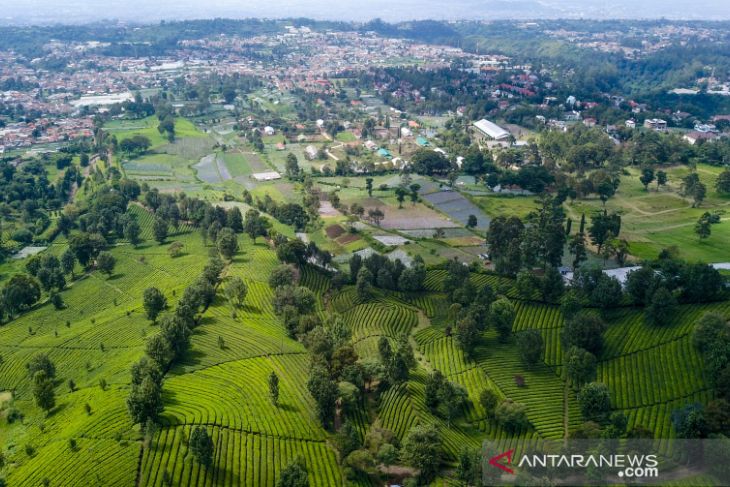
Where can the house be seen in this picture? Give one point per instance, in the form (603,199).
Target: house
(370,145)
(589,122)
(656,124)
(696,136)
(490,130)
(311,152)
(705,128)
(421,141)
(266,176)
(405,132)
(630,124)
(384,153)
(268,130)
(280,146)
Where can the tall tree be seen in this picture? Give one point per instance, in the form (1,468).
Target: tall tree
(647,177)
(153,302)
(530,345)
(274,388)
(293,475)
(227,243)
(132,232)
(159,228)
(43,392)
(422,450)
(201,446)
(503,316)
(105,262)
(661,307)
(369,186)
(236,290)
(722,185)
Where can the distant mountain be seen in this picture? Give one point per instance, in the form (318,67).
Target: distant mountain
(79,11)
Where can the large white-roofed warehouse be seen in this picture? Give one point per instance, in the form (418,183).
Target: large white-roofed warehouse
(491,130)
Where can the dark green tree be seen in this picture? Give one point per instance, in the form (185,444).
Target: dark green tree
(159,229)
(154,302)
(422,450)
(661,307)
(530,345)
(227,243)
(595,401)
(201,446)
(274,388)
(43,392)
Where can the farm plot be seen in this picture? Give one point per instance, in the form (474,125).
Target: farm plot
(656,375)
(458,207)
(628,332)
(229,395)
(379,319)
(153,165)
(207,169)
(222,168)
(237,164)
(413,217)
(241,458)
(542,393)
(96,461)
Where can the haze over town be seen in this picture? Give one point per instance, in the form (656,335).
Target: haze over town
(79,11)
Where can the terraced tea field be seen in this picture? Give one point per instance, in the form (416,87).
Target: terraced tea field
(222,381)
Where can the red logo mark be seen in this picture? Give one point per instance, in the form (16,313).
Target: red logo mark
(494,461)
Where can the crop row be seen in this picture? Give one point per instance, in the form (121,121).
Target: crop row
(380,319)
(541,316)
(628,332)
(446,356)
(541,392)
(314,280)
(239,459)
(234,395)
(659,374)
(94,462)
(657,418)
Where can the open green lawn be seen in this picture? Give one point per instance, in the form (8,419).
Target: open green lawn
(147,127)
(657,219)
(495,205)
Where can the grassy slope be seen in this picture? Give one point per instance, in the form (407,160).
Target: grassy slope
(653,220)
(99,311)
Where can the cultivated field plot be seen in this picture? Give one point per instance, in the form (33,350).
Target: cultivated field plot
(413,217)
(208,170)
(154,165)
(458,207)
(241,458)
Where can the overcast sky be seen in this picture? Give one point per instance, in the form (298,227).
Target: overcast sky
(76,11)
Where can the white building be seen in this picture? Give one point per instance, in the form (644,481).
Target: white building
(311,152)
(266,176)
(491,130)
